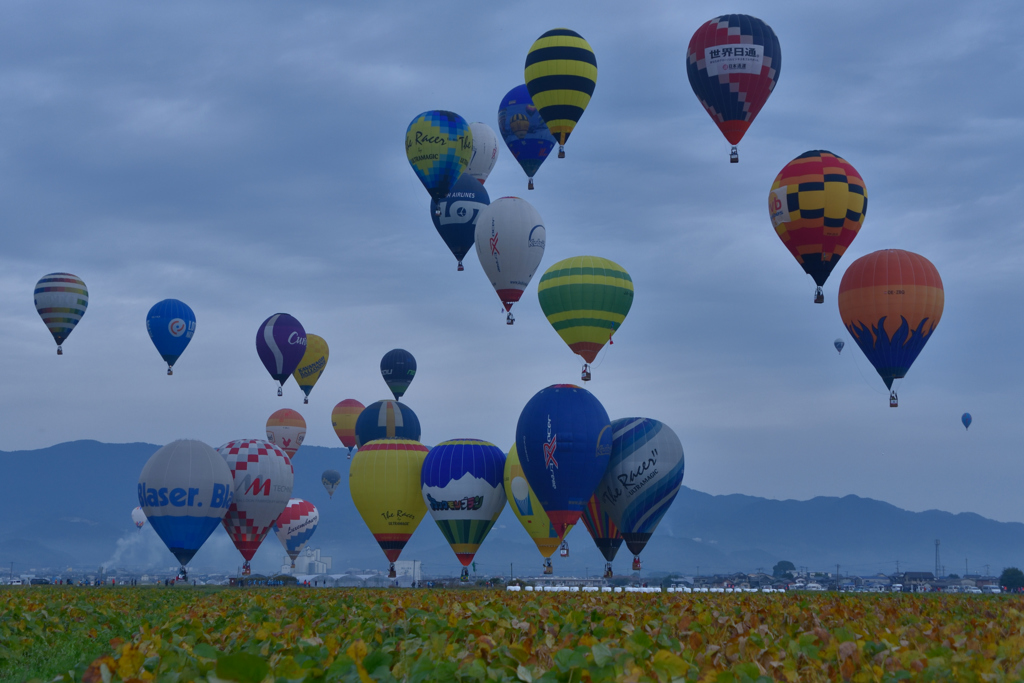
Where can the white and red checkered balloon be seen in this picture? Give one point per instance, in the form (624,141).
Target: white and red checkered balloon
(263,477)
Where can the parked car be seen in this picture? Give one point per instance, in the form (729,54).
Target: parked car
(39,582)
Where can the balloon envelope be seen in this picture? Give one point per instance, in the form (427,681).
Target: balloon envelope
(966,419)
(263,478)
(139,517)
(462,487)
(733,63)
(439,145)
(510,241)
(185,489)
(890,302)
(456,222)
(564,440)
(601,527)
(398,367)
(839,344)
(61,300)
(286,429)
(485,152)
(527,507)
(281,343)
(312,364)
(295,525)
(524,131)
(171,324)
(330,479)
(643,477)
(387,420)
(384,481)
(561,73)
(586,298)
(343,419)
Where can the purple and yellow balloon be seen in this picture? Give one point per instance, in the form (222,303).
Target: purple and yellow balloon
(281,343)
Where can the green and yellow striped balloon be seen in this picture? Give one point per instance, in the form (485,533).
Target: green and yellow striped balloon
(586,298)
(561,72)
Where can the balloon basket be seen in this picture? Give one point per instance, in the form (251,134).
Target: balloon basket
(894,401)
(465,574)
(280,391)
(734,156)
(437,212)
(636,564)
(585,375)
(561,152)
(60,351)
(563,550)
(510,319)
(182,573)
(170,371)
(305,400)
(530,185)
(246,570)
(819,296)
(391,572)
(608,573)
(460,268)
(548,569)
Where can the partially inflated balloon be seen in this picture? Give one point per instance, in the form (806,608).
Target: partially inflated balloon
(527,508)
(564,440)
(286,429)
(462,487)
(281,343)
(386,420)
(890,302)
(524,131)
(966,419)
(263,478)
(439,145)
(455,216)
(343,419)
(171,324)
(643,477)
(398,368)
(384,481)
(185,489)
(485,152)
(295,525)
(561,73)
(61,300)
(330,479)
(817,205)
(312,365)
(733,64)
(139,517)
(601,527)
(510,241)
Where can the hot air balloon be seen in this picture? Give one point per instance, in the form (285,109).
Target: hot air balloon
(295,525)
(139,517)
(281,344)
(529,511)
(890,301)
(561,72)
(455,217)
(330,479)
(643,477)
(564,439)
(733,63)
(384,481)
(343,419)
(263,477)
(485,152)
(510,240)
(839,344)
(171,324)
(966,419)
(386,420)
(462,487)
(185,488)
(524,131)
(586,298)
(817,205)
(439,145)
(286,429)
(603,530)
(312,365)
(398,368)
(61,300)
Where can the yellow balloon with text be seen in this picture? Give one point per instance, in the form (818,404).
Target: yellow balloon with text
(527,508)
(312,364)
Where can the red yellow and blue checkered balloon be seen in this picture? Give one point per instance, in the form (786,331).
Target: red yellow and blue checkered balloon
(439,145)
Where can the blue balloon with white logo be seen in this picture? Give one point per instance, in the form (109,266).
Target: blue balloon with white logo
(386,420)
(398,367)
(455,216)
(171,324)
(563,440)
(185,489)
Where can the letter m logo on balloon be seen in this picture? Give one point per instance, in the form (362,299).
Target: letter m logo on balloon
(253,487)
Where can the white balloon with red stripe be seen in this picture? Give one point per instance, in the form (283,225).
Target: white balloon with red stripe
(295,525)
(510,241)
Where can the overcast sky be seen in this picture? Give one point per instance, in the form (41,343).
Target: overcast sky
(248,158)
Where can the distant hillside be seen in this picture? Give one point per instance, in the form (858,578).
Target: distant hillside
(69,505)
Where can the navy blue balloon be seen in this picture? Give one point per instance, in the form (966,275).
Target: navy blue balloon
(966,419)
(398,367)
(456,221)
(171,324)
(386,420)
(524,131)
(564,441)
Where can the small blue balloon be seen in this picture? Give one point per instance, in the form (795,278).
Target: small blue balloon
(839,344)
(171,324)
(966,419)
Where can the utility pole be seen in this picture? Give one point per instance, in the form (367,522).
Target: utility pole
(837,576)
(966,569)
(938,566)
(986,570)
(12,570)
(511,576)
(897,566)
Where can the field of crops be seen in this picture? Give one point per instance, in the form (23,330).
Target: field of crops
(155,634)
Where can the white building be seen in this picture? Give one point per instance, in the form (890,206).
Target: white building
(408,571)
(308,562)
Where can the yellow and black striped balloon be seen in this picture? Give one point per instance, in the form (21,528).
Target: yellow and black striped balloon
(561,72)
